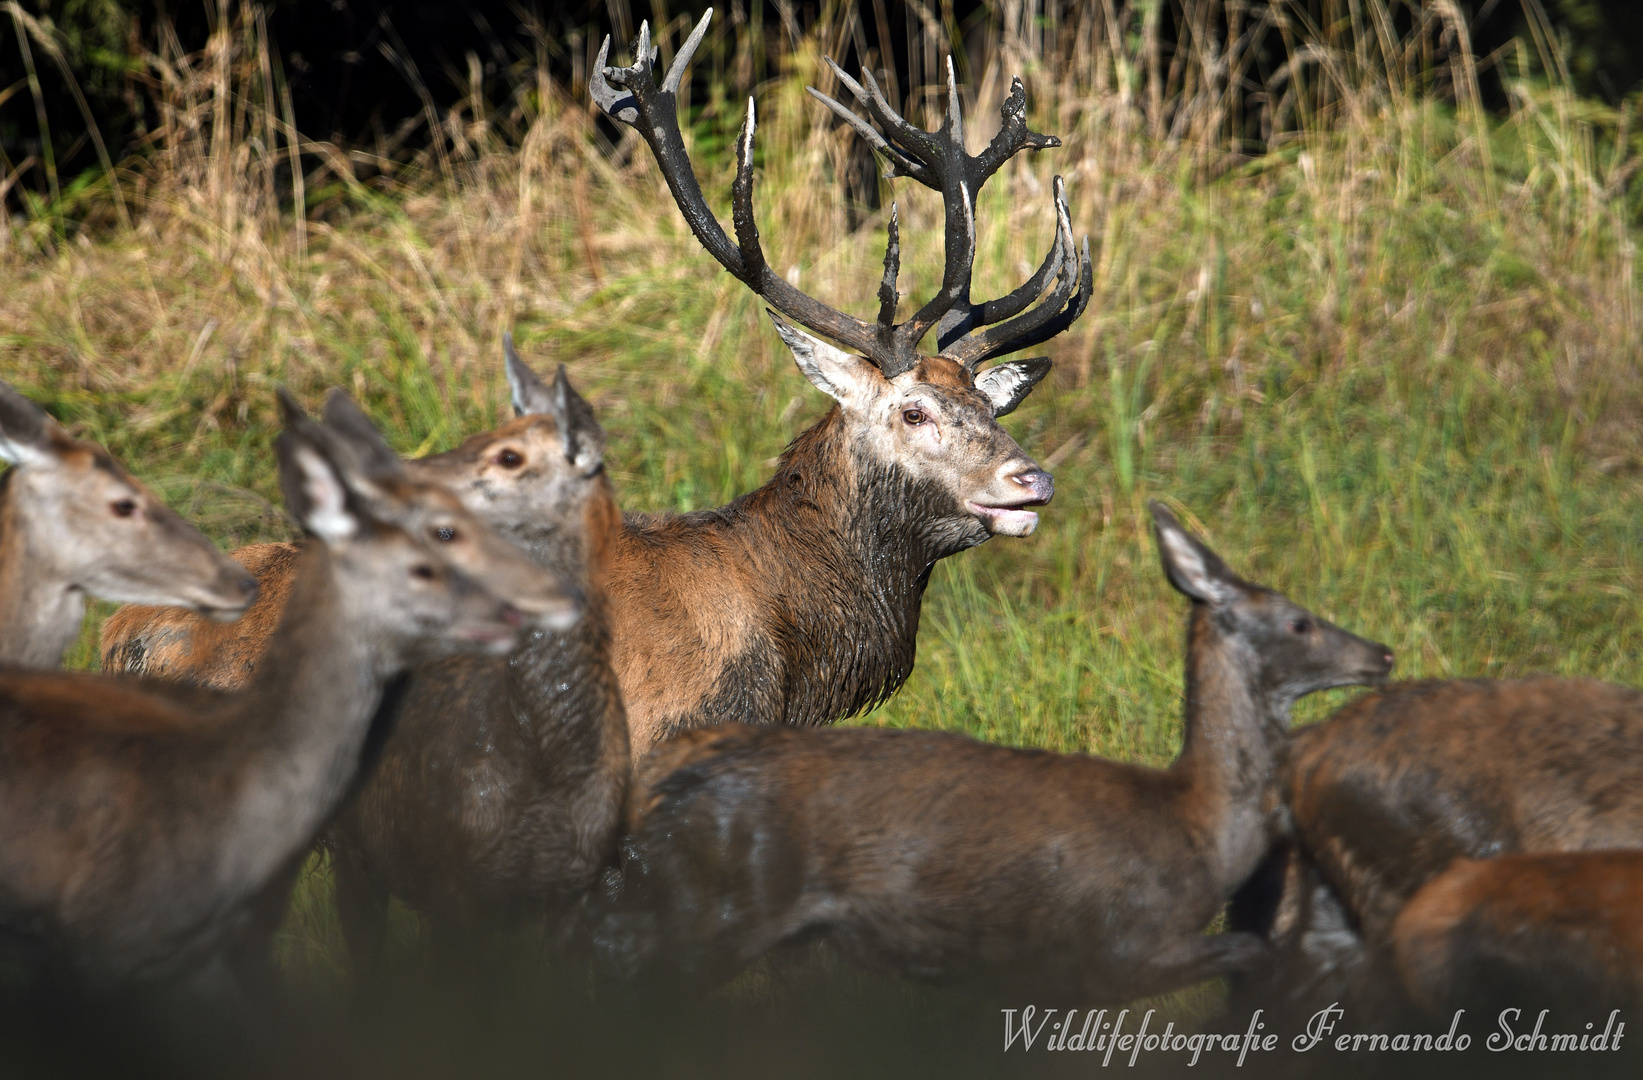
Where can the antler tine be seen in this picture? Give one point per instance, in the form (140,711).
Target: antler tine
(956,323)
(892,267)
(681,59)
(653,112)
(900,164)
(1058,311)
(1013,134)
(938,160)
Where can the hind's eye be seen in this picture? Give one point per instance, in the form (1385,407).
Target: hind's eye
(423,571)
(1300,626)
(123,507)
(445,534)
(912,417)
(510,459)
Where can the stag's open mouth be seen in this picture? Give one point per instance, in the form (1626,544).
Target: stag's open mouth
(1014,520)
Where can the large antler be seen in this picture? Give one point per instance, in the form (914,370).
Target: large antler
(936,159)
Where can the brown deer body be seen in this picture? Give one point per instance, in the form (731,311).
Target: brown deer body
(138,819)
(1389,791)
(500,794)
(799,603)
(1560,931)
(73,524)
(944,857)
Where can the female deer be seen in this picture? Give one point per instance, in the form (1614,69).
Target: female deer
(73,524)
(137,819)
(943,857)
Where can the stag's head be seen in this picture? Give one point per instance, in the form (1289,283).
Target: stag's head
(933,417)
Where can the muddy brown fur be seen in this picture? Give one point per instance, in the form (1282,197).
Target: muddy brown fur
(1561,932)
(942,857)
(1387,793)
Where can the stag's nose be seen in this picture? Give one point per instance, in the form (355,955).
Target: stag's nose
(247,587)
(1039,485)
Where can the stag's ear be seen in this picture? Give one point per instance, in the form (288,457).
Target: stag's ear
(314,488)
(1008,384)
(25,429)
(1192,568)
(531,396)
(833,371)
(583,436)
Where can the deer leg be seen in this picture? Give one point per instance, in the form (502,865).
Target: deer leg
(250,955)
(362,909)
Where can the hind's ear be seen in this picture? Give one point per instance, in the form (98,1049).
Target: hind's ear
(374,457)
(315,491)
(1191,567)
(531,396)
(1007,385)
(583,436)
(836,373)
(26,430)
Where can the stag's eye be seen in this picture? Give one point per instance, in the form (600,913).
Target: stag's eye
(913,417)
(1301,626)
(423,571)
(123,507)
(445,534)
(510,459)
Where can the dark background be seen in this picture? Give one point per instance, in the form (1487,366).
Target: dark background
(359,69)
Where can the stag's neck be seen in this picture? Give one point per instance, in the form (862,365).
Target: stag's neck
(1228,752)
(304,717)
(562,679)
(854,543)
(39,614)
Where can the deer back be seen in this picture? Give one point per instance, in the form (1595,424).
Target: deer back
(1393,787)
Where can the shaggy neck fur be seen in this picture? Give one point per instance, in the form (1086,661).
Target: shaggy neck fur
(850,544)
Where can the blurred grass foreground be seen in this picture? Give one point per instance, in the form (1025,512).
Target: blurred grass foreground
(1372,334)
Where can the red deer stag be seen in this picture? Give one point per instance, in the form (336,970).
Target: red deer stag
(73,524)
(1560,932)
(943,857)
(500,794)
(1389,791)
(799,603)
(138,818)
(512,478)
